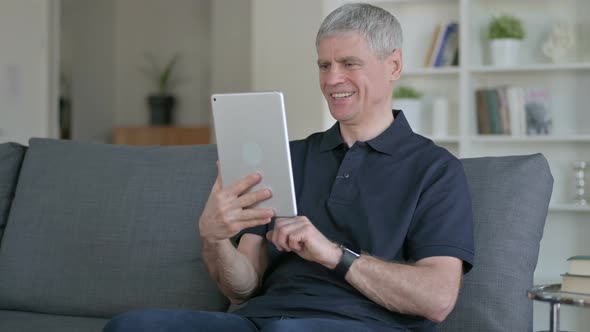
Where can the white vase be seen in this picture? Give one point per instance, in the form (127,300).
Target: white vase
(505,52)
(412,109)
(440,117)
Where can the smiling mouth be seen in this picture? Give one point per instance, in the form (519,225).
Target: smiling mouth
(341,95)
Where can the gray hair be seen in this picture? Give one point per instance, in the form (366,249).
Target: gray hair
(380,28)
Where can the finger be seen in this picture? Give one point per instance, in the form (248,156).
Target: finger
(295,241)
(251,214)
(269,236)
(282,222)
(253,198)
(243,184)
(296,235)
(218,185)
(283,231)
(252,223)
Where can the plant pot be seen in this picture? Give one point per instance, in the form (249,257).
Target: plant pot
(505,52)
(161,109)
(412,109)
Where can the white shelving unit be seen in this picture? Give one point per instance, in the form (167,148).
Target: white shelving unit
(568,225)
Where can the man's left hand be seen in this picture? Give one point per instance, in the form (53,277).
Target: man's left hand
(300,236)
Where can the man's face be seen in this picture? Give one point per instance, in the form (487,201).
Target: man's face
(354,81)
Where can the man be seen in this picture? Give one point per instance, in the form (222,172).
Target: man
(385,230)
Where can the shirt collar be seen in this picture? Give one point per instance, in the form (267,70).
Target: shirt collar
(386,142)
(331,139)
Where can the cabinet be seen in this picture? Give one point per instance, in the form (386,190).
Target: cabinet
(568,226)
(162,135)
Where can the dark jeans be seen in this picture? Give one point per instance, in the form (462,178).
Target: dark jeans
(163,320)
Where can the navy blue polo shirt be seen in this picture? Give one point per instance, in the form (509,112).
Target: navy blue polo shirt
(398,197)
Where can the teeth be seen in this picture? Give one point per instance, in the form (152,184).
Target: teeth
(342,95)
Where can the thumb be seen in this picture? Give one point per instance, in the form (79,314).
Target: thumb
(218,185)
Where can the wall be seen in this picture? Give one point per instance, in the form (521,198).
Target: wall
(27,101)
(284,58)
(231,46)
(226,46)
(163,28)
(88,66)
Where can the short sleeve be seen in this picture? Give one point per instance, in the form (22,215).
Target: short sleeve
(442,224)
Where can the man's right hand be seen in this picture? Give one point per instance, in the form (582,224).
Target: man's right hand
(228,210)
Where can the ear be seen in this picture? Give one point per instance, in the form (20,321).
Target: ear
(395,60)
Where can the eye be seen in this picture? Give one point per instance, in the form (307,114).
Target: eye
(350,65)
(324,66)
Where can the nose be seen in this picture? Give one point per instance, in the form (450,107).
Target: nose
(334,76)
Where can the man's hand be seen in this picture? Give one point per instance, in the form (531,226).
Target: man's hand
(228,211)
(300,236)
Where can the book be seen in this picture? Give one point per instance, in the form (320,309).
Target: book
(433,43)
(579,265)
(503,110)
(515,96)
(445,35)
(573,283)
(455,61)
(493,106)
(439,39)
(449,44)
(483,122)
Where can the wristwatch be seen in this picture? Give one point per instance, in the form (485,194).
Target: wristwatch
(348,257)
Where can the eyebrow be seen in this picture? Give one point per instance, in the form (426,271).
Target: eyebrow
(341,60)
(349,59)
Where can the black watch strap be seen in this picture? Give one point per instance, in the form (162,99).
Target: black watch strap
(348,257)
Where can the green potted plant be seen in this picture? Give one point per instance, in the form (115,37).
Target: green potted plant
(409,101)
(161,102)
(505,33)
(406,92)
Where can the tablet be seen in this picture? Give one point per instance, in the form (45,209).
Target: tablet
(251,134)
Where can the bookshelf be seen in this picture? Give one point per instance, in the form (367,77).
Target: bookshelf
(567,225)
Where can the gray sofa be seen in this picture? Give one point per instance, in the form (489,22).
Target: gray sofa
(91,230)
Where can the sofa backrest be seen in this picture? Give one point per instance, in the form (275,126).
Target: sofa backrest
(11,157)
(510,200)
(97,229)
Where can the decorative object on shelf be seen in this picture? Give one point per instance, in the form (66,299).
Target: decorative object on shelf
(440,117)
(409,100)
(506,33)
(560,42)
(580,176)
(161,102)
(538,113)
(65,108)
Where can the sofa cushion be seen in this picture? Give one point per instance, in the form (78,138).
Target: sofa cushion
(99,229)
(510,201)
(31,322)
(11,156)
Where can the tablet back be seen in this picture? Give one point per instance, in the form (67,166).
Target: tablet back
(251,134)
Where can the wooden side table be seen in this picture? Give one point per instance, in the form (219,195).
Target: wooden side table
(555,297)
(161,135)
